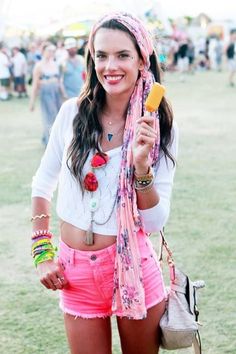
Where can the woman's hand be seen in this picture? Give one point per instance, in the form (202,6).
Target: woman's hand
(51,275)
(144,139)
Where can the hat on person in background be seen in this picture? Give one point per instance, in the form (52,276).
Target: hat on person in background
(70,43)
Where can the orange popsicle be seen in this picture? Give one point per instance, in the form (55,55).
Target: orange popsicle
(154,97)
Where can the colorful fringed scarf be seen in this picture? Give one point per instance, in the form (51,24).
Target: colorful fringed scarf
(128,297)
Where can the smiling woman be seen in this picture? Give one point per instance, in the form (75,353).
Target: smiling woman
(117,62)
(115,165)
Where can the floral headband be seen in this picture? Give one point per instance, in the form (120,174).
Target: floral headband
(135,26)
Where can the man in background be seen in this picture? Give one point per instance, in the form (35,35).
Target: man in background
(72,69)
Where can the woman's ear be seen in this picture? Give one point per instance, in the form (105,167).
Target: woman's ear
(141,65)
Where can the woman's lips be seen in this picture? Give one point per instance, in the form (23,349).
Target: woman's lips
(113,79)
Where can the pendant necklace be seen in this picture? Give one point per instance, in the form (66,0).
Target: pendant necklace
(109,135)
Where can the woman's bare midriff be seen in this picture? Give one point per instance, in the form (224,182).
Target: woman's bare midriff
(75,237)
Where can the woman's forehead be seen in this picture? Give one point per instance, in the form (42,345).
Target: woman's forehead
(107,39)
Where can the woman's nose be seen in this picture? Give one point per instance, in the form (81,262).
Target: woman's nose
(111,63)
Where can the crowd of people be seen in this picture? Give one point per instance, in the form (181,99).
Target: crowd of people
(56,71)
(185,56)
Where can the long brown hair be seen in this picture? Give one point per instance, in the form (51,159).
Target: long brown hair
(87,128)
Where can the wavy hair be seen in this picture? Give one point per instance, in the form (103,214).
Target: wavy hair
(87,128)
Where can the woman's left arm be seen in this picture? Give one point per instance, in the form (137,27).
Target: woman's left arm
(154,203)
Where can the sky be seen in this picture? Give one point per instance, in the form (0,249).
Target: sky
(41,11)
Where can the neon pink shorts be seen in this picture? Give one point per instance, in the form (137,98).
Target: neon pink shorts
(90,277)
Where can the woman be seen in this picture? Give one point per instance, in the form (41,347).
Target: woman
(47,81)
(114,188)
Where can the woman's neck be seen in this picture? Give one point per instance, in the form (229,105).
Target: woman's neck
(116,109)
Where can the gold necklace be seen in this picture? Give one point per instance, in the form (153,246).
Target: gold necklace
(109,134)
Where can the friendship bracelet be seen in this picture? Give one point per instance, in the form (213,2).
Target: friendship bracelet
(40,244)
(44,256)
(41,216)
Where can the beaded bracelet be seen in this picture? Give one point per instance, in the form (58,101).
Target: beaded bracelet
(39,233)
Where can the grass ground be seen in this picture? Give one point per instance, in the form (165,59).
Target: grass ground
(201,229)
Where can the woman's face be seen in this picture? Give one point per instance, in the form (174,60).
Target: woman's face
(49,52)
(117,62)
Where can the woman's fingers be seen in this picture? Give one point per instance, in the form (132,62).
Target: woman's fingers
(52,276)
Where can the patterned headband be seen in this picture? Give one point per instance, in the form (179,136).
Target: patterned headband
(135,26)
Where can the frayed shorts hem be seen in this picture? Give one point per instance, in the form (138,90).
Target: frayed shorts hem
(103,315)
(84,315)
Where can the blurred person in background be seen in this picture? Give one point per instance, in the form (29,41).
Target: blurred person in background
(5,74)
(47,82)
(72,70)
(231,56)
(33,56)
(61,53)
(115,166)
(191,56)
(19,70)
(219,49)
(183,60)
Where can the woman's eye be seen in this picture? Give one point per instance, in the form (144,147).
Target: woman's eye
(124,56)
(100,56)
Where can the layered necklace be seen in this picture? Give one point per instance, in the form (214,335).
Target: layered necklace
(110,129)
(99,160)
(110,133)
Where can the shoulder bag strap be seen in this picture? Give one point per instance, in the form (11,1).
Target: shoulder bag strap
(170,260)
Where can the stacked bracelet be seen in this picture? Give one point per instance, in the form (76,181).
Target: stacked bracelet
(42,249)
(143,188)
(144,182)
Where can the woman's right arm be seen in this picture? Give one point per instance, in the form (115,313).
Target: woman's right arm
(43,185)
(50,271)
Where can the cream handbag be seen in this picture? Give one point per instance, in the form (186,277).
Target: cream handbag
(179,324)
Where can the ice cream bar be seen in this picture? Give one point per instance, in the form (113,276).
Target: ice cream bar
(154,97)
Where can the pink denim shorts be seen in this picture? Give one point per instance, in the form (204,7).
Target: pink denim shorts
(90,277)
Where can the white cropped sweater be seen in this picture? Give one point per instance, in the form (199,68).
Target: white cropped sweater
(72,206)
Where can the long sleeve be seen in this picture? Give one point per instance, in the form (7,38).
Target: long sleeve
(156,217)
(46,178)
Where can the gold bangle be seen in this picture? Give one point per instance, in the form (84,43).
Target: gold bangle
(144,178)
(41,216)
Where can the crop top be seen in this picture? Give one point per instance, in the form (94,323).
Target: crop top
(72,205)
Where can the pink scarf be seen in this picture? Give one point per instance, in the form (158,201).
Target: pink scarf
(128,296)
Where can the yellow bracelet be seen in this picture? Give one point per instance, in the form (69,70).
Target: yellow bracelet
(41,216)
